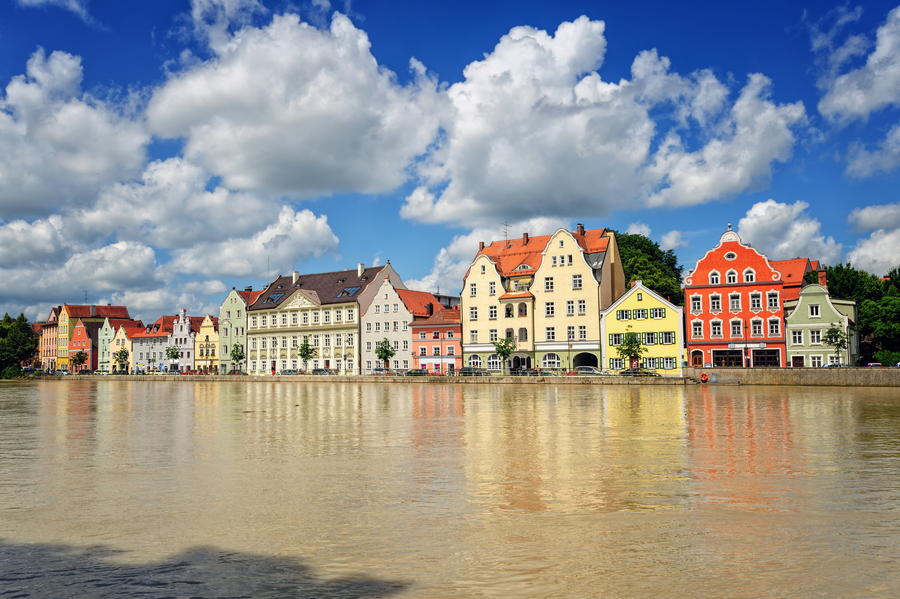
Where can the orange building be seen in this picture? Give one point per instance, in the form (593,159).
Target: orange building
(437,342)
(48,340)
(84,339)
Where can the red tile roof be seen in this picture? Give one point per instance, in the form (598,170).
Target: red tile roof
(792,273)
(250,296)
(445,316)
(519,295)
(92,311)
(133,330)
(417,302)
(37,326)
(511,254)
(162,327)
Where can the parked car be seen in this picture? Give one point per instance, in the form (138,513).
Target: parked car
(382,371)
(60,372)
(323,371)
(417,372)
(590,371)
(236,372)
(547,373)
(86,371)
(472,371)
(874,365)
(289,371)
(637,372)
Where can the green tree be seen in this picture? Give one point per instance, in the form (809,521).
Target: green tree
(121,358)
(846,282)
(644,260)
(237,355)
(18,342)
(306,352)
(172,353)
(385,351)
(79,359)
(631,348)
(836,338)
(504,349)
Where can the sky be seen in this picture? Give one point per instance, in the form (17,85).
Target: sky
(157,154)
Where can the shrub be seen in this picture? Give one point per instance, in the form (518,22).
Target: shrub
(11,372)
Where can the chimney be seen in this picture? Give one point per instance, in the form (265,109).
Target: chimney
(579,228)
(480,245)
(359,269)
(822,280)
(294,276)
(524,238)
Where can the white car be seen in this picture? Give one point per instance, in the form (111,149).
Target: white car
(590,371)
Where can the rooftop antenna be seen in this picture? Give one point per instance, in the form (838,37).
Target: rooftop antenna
(505,231)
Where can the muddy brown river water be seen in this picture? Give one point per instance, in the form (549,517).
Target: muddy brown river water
(234,489)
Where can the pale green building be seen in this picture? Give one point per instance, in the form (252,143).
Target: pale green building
(233,327)
(808,318)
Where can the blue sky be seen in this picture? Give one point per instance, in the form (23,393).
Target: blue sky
(160,153)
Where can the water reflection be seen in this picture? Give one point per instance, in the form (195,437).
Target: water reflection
(459,491)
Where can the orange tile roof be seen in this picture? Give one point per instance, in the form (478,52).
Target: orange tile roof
(518,295)
(133,330)
(792,271)
(91,311)
(513,253)
(250,296)
(162,327)
(445,316)
(417,302)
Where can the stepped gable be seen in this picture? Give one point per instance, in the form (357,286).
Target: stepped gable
(511,254)
(417,302)
(327,287)
(93,311)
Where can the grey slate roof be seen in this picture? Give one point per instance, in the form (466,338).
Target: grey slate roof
(328,287)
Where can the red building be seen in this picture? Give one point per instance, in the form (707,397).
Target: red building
(437,343)
(84,338)
(734,306)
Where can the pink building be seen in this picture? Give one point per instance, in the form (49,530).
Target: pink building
(437,343)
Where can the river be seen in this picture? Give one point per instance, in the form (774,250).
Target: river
(269,489)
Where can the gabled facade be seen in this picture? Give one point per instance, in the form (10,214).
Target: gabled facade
(544,292)
(149,346)
(206,346)
(809,317)
(322,309)
(47,344)
(184,332)
(84,339)
(437,342)
(659,323)
(734,308)
(87,313)
(122,340)
(233,327)
(105,335)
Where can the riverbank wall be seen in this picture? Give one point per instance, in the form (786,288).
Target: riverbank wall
(806,377)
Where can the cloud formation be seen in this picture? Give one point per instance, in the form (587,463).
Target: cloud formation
(782,231)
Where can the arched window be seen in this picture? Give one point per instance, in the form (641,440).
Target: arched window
(731,277)
(714,278)
(475,361)
(523,309)
(510,334)
(749,276)
(523,334)
(508,311)
(493,362)
(550,361)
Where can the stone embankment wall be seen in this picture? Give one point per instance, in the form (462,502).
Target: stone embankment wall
(465,380)
(831,377)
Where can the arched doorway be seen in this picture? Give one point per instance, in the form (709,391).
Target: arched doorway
(520,362)
(585,359)
(697,358)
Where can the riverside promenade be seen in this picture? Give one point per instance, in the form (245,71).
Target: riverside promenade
(806,377)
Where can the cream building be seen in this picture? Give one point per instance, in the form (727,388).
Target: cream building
(322,309)
(544,292)
(659,323)
(206,346)
(122,340)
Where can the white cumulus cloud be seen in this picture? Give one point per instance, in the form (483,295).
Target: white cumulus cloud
(782,231)
(291,109)
(870,218)
(878,253)
(672,240)
(884,158)
(638,228)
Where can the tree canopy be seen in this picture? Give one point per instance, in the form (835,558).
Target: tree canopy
(643,259)
(18,341)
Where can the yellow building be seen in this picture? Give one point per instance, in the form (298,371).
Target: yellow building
(69,315)
(546,293)
(122,340)
(658,322)
(206,344)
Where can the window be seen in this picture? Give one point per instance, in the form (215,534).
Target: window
(815,336)
(570,332)
(616,363)
(576,282)
(327,315)
(667,338)
(657,313)
(492,335)
(582,332)
(293,318)
(368,346)
(550,333)
(473,289)
(337,316)
(423,351)
(562,243)
(263,320)
(648,338)
(377,327)
(473,313)
(482,269)
(316,317)
(772,298)
(731,277)
(640,297)
(548,283)
(797,337)
(615,338)
(695,304)
(492,288)
(350,314)
(668,363)
(475,361)
(815,361)
(623,314)
(553,260)
(736,328)
(697,329)
(756,301)
(582,307)
(473,336)
(570,308)
(715,303)
(283,319)
(749,276)
(714,278)
(640,314)
(549,309)
(493,362)
(396,308)
(436,350)
(492,312)
(550,361)
(449,334)
(715,328)
(305,318)
(756,328)
(451,351)
(814,311)
(734,302)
